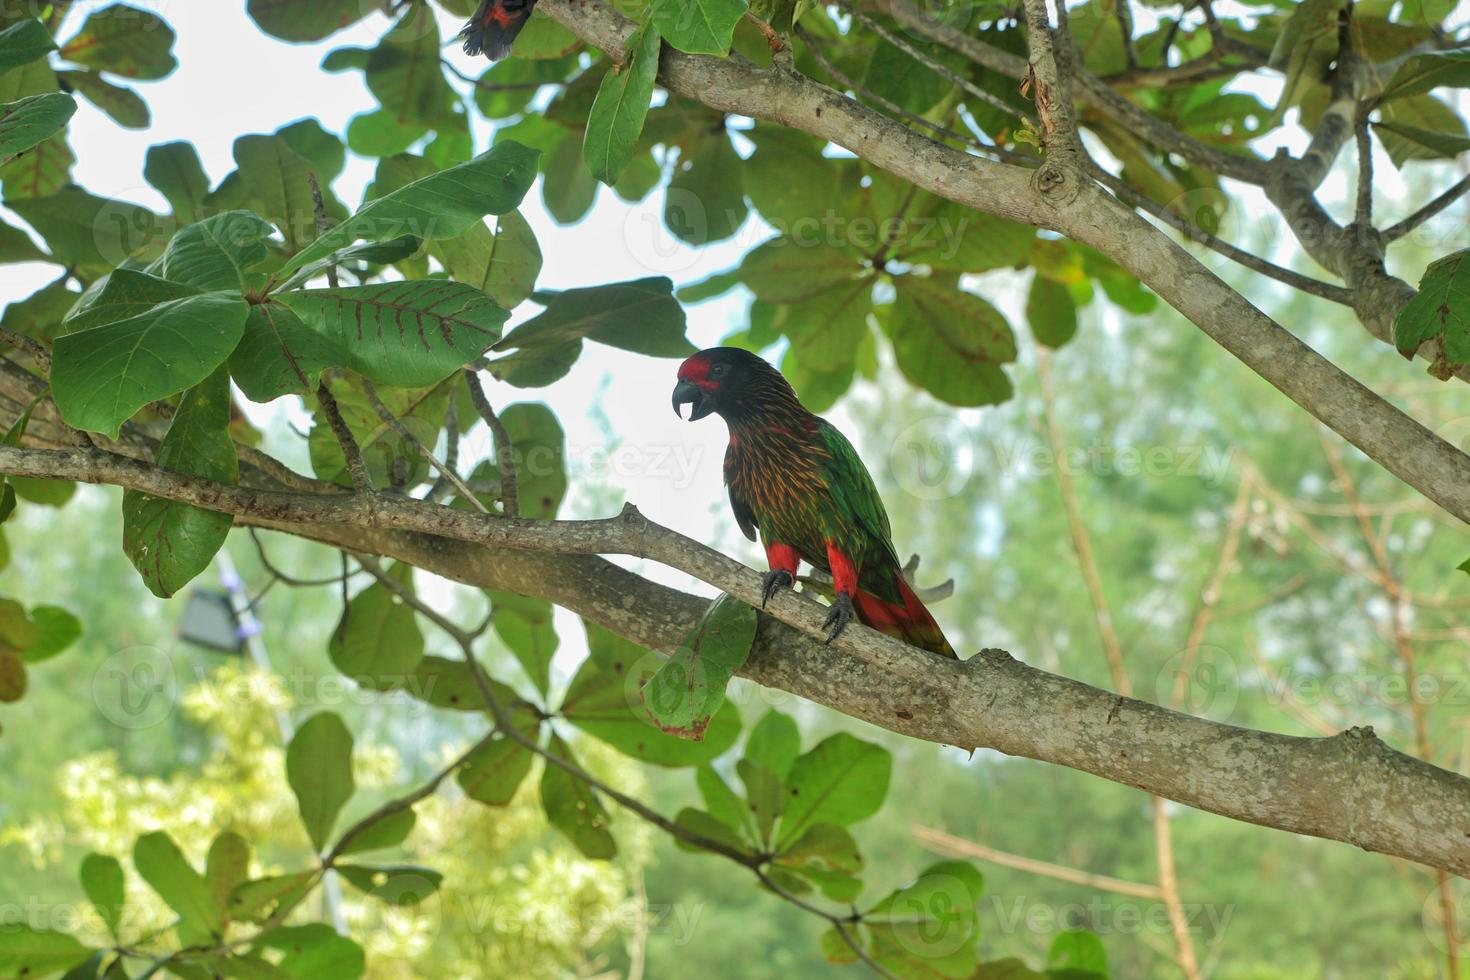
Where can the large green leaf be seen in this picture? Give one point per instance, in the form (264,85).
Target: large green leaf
(279,355)
(616,120)
(101,376)
(176,172)
(23,42)
(573,808)
(28,952)
(314,951)
(92,235)
(30,121)
(277,182)
(442,205)
(102,880)
(291,20)
(216,253)
(125,106)
(124,40)
(783,271)
(774,742)
(495,770)
(698,26)
(1420,127)
(226,867)
(406,334)
(396,885)
(841,781)
(378,642)
(705,201)
(1051,312)
(951,342)
(689,687)
(122,294)
(605,703)
(1440,312)
(319,769)
(929,928)
(1077,955)
(503,264)
(525,626)
(640,316)
(43,171)
(160,863)
(1430,70)
(405,73)
(171,542)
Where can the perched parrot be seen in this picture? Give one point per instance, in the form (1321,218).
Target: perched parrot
(494,27)
(794,478)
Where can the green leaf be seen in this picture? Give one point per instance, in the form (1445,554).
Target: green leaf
(930,927)
(616,120)
(102,880)
(388,830)
(405,73)
(56,629)
(503,264)
(323,149)
(536,367)
(258,900)
(404,334)
(279,355)
(17,246)
(1441,311)
(1420,127)
(91,234)
(226,868)
(319,769)
(395,885)
(722,802)
(159,862)
(43,171)
(698,26)
(765,796)
(524,625)
(774,743)
(1051,312)
(450,684)
(568,188)
(1427,71)
(289,20)
(641,316)
(1077,955)
(841,781)
(495,770)
(125,106)
(126,41)
(826,845)
(951,342)
(711,828)
(314,951)
(837,950)
(573,808)
(378,643)
(544,38)
(121,295)
(175,171)
(1464,566)
(706,196)
(540,456)
(277,183)
(604,702)
(781,271)
(23,42)
(443,205)
(956,239)
(791,183)
(13,680)
(32,120)
(687,690)
(27,952)
(171,542)
(216,253)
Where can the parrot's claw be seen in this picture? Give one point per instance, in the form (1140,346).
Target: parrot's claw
(774,581)
(839,616)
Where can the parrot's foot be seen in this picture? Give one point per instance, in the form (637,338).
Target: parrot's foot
(774,581)
(840,615)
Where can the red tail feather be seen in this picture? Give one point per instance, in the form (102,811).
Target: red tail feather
(909,622)
(494,27)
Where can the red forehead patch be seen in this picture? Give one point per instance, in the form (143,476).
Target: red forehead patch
(695,368)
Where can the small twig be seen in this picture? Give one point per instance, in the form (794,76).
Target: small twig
(1363,214)
(505,452)
(1428,211)
(319,205)
(279,576)
(396,424)
(773,38)
(1125,25)
(30,345)
(357,467)
(483,85)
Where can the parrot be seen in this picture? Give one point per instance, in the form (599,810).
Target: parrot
(494,27)
(797,481)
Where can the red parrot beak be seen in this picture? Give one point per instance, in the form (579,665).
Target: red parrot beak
(692,394)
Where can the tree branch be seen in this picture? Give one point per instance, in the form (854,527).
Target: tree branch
(1351,787)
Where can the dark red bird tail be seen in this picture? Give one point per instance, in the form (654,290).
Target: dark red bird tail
(909,622)
(494,27)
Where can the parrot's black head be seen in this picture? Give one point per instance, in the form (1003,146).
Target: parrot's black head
(730,381)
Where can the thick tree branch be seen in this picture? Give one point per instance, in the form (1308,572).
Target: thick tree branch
(1351,787)
(1060,199)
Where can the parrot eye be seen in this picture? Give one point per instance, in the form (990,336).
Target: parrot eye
(719,370)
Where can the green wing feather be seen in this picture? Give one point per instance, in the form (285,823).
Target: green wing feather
(856,498)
